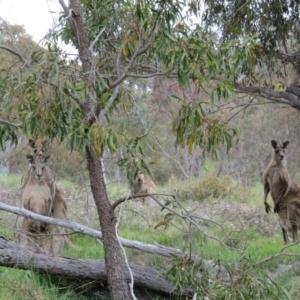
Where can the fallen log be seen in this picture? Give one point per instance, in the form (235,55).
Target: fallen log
(145,278)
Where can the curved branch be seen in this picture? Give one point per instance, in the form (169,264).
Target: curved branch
(121,200)
(76,227)
(267,92)
(16,54)
(65,8)
(290,54)
(138,52)
(281,253)
(293,89)
(190,218)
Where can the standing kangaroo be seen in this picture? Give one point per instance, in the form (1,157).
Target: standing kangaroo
(276,177)
(37,198)
(285,193)
(36,195)
(142,185)
(59,208)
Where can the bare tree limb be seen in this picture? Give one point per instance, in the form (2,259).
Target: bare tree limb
(187,216)
(281,253)
(289,98)
(148,248)
(290,54)
(97,38)
(121,200)
(22,59)
(110,102)
(139,51)
(65,8)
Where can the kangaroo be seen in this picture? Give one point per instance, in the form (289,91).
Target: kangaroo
(59,209)
(285,193)
(276,177)
(37,198)
(142,185)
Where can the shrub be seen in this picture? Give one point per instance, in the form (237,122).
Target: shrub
(214,187)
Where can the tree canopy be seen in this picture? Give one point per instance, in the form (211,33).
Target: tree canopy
(273,71)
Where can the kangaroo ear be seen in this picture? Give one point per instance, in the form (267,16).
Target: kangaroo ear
(274,144)
(47,158)
(30,158)
(31,143)
(284,144)
(45,143)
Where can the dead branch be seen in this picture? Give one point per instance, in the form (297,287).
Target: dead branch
(76,227)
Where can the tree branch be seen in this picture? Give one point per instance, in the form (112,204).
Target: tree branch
(148,248)
(267,92)
(121,200)
(109,103)
(65,8)
(139,51)
(22,59)
(96,38)
(293,89)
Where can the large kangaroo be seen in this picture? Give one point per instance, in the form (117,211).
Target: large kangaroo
(37,197)
(285,193)
(276,177)
(142,185)
(59,208)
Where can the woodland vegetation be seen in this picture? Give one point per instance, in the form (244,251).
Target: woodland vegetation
(192,99)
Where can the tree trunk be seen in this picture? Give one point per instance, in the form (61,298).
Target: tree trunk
(146,279)
(119,289)
(111,245)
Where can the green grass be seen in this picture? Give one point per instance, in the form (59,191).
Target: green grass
(89,248)
(10,181)
(244,239)
(26,285)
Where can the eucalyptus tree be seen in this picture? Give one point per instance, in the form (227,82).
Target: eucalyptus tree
(273,72)
(73,98)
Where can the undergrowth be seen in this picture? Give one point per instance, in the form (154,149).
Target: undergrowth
(233,231)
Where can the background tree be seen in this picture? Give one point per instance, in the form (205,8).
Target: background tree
(12,37)
(273,72)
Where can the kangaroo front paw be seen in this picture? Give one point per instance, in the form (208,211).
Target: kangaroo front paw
(268,208)
(276,208)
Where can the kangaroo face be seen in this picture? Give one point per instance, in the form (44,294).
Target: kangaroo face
(279,150)
(37,167)
(279,153)
(140,178)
